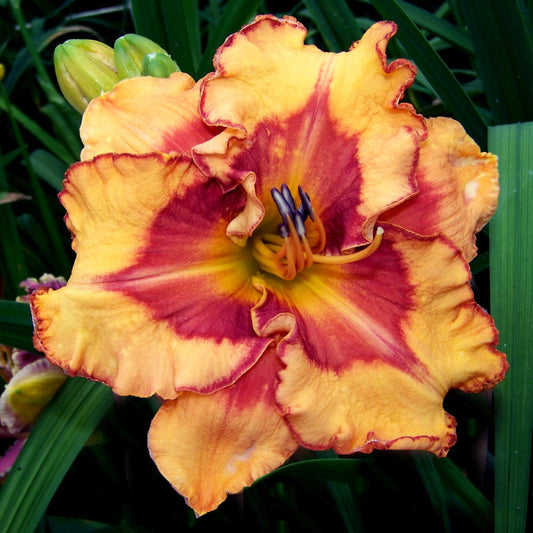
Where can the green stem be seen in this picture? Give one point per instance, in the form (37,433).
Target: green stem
(40,197)
(46,82)
(13,266)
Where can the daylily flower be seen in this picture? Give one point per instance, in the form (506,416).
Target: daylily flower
(31,382)
(31,387)
(46,281)
(280,252)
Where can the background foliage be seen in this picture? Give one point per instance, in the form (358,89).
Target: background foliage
(85,467)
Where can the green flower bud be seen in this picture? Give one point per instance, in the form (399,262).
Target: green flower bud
(2,71)
(28,393)
(158,65)
(130,50)
(85,69)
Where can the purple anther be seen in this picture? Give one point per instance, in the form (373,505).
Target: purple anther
(283,230)
(303,212)
(286,192)
(305,207)
(283,207)
(299,224)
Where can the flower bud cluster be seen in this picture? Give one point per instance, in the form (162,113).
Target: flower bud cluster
(85,68)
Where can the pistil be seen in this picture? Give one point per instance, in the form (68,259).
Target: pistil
(290,251)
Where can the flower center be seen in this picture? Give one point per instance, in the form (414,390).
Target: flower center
(296,246)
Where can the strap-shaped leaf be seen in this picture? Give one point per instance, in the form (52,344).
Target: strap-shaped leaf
(502,38)
(511,274)
(54,443)
(450,33)
(445,84)
(427,471)
(471,499)
(173,25)
(12,262)
(15,325)
(54,233)
(319,470)
(454,35)
(236,13)
(38,133)
(335,22)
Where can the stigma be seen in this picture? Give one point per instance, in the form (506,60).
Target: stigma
(300,239)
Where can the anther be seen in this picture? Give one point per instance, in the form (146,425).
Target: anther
(283,207)
(305,207)
(299,224)
(296,247)
(286,193)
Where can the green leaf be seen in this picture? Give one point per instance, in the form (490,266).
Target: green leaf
(335,22)
(15,325)
(502,39)
(52,446)
(511,257)
(344,501)
(337,474)
(236,14)
(39,133)
(341,470)
(49,168)
(42,73)
(54,234)
(175,26)
(480,263)
(60,524)
(12,264)
(444,83)
(472,500)
(425,465)
(66,123)
(453,35)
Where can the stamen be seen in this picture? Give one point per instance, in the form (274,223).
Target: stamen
(296,247)
(321,235)
(283,230)
(286,193)
(307,252)
(294,240)
(282,252)
(283,207)
(290,270)
(305,206)
(299,224)
(352,258)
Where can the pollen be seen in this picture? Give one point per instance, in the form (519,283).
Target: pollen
(290,250)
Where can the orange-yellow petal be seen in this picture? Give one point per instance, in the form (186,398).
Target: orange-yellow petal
(159,298)
(145,114)
(371,348)
(458,187)
(329,122)
(209,446)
